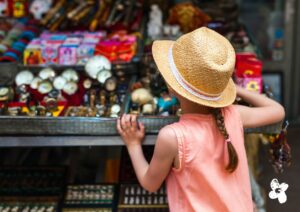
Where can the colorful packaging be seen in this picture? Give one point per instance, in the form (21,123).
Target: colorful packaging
(248,72)
(33,54)
(68,51)
(50,51)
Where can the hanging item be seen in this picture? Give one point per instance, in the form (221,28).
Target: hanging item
(188,17)
(280,151)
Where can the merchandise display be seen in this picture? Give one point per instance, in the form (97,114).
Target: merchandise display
(134,197)
(15,36)
(74,67)
(90,196)
(75,48)
(28,206)
(31,181)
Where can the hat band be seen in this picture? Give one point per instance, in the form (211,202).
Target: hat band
(185,85)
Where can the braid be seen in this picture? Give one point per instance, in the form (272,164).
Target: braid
(233,158)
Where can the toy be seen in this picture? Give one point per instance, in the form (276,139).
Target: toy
(39,8)
(141,96)
(155,22)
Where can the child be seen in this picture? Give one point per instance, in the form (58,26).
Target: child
(202,157)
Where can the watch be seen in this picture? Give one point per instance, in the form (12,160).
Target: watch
(24,78)
(97,64)
(103,75)
(47,73)
(70,88)
(35,82)
(59,82)
(87,83)
(115,109)
(111,84)
(71,75)
(45,87)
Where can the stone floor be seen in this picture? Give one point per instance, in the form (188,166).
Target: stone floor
(291,176)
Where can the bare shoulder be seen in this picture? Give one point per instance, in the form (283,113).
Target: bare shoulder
(167,139)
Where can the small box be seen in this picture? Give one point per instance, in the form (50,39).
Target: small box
(50,51)
(85,51)
(33,54)
(68,51)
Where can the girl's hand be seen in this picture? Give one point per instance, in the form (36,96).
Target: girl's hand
(131,131)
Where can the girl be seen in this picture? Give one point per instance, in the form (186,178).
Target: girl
(202,157)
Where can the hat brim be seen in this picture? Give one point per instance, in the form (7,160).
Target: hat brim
(160,54)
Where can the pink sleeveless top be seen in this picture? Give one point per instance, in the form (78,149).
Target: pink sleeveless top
(201,183)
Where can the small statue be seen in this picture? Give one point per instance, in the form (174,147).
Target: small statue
(38,8)
(155,23)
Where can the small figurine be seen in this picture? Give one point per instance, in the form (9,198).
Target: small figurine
(155,23)
(4,8)
(39,8)
(141,96)
(165,102)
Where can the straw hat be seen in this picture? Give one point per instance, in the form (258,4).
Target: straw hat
(198,66)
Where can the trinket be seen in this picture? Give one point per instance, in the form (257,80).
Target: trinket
(35,82)
(70,88)
(59,82)
(24,78)
(47,73)
(103,76)
(111,84)
(45,87)
(141,96)
(70,75)
(97,64)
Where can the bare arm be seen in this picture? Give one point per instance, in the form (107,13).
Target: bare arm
(264,111)
(152,175)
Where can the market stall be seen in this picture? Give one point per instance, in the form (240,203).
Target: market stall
(68,69)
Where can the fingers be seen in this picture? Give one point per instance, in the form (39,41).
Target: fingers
(119,126)
(142,127)
(133,122)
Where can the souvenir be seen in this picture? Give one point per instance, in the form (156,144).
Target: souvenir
(187,16)
(45,87)
(115,109)
(111,84)
(155,22)
(70,88)
(166,102)
(103,75)
(4,8)
(87,83)
(148,109)
(70,75)
(68,51)
(35,82)
(47,73)
(6,93)
(97,64)
(19,8)
(141,96)
(102,97)
(59,82)
(24,77)
(39,8)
